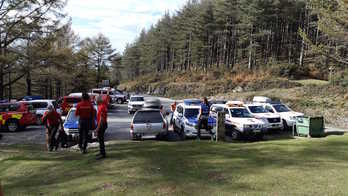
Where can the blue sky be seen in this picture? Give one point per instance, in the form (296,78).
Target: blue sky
(120,20)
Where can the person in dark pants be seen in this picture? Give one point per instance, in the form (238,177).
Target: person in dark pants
(85,112)
(102,116)
(52,120)
(203,116)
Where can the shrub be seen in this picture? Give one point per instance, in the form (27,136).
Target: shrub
(289,70)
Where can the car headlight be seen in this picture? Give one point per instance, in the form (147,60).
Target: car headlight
(189,124)
(293,118)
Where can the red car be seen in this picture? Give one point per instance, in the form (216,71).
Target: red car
(68,102)
(17,116)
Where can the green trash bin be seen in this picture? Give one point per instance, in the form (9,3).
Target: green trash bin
(310,126)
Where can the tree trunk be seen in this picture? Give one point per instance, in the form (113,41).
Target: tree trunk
(9,86)
(250,64)
(2,75)
(28,81)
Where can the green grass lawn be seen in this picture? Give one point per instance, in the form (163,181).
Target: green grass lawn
(284,167)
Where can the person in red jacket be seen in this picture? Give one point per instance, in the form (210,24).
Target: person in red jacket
(85,112)
(52,120)
(102,116)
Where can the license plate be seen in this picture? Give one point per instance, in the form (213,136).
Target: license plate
(257,131)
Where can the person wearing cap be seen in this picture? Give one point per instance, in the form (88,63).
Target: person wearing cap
(52,120)
(102,116)
(86,114)
(203,116)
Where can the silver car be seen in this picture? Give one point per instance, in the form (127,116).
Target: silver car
(148,123)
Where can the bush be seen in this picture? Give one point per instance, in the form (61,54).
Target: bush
(292,71)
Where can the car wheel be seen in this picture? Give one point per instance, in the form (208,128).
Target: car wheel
(12,125)
(119,101)
(135,137)
(285,126)
(39,120)
(235,135)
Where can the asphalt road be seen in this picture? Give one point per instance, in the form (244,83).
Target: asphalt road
(118,128)
(119,124)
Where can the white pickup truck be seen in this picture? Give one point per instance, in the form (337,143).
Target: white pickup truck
(273,121)
(288,116)
(239,121)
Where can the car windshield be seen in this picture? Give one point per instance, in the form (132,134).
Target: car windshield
(73,100)
(39,105)
(147,117)
(137,98)
(72,117)
(281,108)
(257,109)
(189,113)
(240,113)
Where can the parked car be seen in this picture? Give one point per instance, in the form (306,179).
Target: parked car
(240,122)
(148,122)
(288,116)
(215,109)
(31,98)
(116,96)
(185,120)
(71,126)
(271,120)
(135,103)
(17,116)
(41,107)
(67,103)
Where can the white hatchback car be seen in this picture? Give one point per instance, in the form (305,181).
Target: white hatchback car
(148,123)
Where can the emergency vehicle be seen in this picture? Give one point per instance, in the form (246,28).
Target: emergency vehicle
(272,120)
(288,116)
(71,125)
(68,102)
(240,122)
(185,120)
(17,116)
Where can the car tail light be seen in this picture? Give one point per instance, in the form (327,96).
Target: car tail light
(132,127)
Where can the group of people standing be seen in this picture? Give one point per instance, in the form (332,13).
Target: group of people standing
(86,113)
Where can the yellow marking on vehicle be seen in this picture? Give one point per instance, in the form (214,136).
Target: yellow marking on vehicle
(3,122)
(17,116)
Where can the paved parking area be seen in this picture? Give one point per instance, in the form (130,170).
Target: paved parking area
(119,125)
